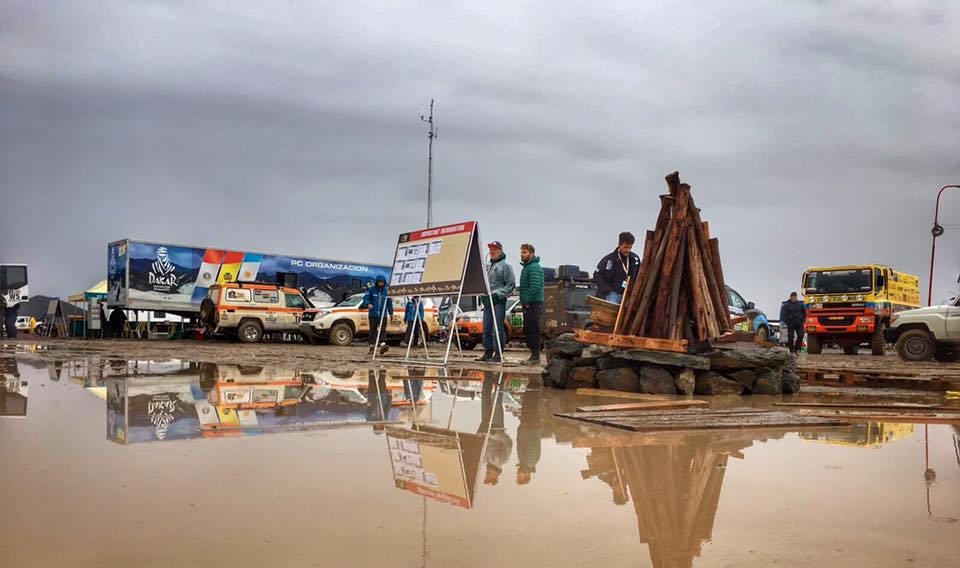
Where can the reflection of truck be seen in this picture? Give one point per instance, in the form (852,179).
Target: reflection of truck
(933,331)
(852,305)
(13,291)
(864,434)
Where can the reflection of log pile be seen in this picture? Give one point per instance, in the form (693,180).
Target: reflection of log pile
(674,481)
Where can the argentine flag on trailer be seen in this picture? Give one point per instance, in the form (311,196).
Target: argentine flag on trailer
(250,267)
(230,267)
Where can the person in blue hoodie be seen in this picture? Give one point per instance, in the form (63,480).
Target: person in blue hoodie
(414,333)
(379,310)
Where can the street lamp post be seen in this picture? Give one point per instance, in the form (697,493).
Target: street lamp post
(936,231)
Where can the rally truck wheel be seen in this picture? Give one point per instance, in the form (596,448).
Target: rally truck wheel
(915,345)
(250,331)
(208,312)
(814,346)
(878,345)
(851,349)
(341,334)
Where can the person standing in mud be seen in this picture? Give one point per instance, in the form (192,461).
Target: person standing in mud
(502,284)
(414,333)
(531,298)
(379,310)
(793,313)
(529,436)
(499,444)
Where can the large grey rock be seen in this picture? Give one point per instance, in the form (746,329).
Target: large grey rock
(622,379)
(555,375)
(656,380)
(581,377)
(746,377)
(686,381)
(664,358)
(790,383)
(613,363)
(595,351)
(733,359)
(564,346)
(768,382)
(712,382)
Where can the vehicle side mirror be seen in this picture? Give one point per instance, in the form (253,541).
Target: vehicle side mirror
(881,281)
(750,305)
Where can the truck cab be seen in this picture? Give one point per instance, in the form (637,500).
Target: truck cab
(852,305)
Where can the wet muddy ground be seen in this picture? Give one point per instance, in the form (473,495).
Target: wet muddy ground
(183,454)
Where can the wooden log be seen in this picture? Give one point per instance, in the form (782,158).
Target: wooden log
(631,299)
(703,243)
(629,341)
(683,317)
(718,271)
(619,394)
(673,182)
(661,301)
(626,290)
(648,286)
(656,405)
(697,291)
(676,280)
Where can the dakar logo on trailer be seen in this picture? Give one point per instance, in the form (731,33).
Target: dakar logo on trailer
(161,275)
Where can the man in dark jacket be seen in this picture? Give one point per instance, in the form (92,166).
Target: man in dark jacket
(414,332)
(614,269)
(379,309)
(793,313)
(531,298)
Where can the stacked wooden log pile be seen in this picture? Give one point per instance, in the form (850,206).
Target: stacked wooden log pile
(679,293)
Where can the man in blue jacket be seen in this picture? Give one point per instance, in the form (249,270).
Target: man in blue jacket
(414,332)
(377,302)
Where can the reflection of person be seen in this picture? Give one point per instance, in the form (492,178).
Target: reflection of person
(528,436)
(614,269)
(104,323)
(531,298)
(414,334)
(793,313)
(379,309)
(502,283)
(378,398)
(499,444)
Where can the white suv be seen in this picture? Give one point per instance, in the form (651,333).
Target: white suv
(341,323)
(928,332)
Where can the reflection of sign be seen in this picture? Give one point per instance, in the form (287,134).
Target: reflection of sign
(436,463)
(436,261)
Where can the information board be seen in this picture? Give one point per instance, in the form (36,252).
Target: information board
(433,262)
(436,463)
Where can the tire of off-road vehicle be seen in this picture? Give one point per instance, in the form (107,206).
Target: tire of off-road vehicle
(309,339)
(207,312)
(947,354)
(467,345)
(813,345)
(250,332)
(341,334)
(851,349)
(878,345)
(916,345)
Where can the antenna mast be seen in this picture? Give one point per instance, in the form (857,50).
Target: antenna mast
(430,135)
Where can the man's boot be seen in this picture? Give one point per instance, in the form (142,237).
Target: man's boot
(370,351)
(495,358)
(487,354)
(534,358)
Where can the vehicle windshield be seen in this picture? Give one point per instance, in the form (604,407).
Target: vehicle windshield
(350,302)
(858,280)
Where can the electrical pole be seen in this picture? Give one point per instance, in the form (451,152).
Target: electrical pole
(430,135)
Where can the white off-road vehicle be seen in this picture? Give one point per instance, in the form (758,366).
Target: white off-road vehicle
(928,332)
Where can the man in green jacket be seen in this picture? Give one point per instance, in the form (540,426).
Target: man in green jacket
(502,284)
(531,298)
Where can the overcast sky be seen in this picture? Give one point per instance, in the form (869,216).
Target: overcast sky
(813,133)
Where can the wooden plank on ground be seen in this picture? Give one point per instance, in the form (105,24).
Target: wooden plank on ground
(701,419)
(620,394)
(872,406)
(644,405)
(630,341)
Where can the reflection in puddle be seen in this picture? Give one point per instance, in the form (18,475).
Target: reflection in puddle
(13,389)
(863,434)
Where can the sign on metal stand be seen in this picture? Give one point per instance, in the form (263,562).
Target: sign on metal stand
(437,262)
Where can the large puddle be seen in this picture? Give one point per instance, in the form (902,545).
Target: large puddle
(146,463)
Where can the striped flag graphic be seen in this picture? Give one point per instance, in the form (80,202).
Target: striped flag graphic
(250,267)
(230,267)
(207,276)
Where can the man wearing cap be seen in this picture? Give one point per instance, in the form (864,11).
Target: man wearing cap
(502,283)
(379,308)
